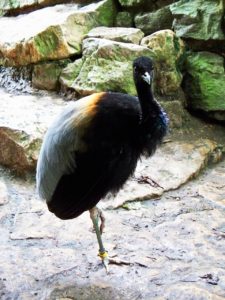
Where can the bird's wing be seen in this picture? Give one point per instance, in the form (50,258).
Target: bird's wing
(63,138)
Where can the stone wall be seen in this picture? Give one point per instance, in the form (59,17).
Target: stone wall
(89,46)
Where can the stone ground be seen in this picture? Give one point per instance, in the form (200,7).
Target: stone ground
(169,248)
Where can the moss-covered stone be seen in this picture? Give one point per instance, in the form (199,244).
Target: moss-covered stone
(46,76)
(133,3)
(106,13)
(124,19)
(46,43)
(205,81)
(107,65)
(51,33)
(169,53)
(151,22)
(198,19)
(70,73)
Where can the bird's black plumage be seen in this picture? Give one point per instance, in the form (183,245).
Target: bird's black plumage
(121,129)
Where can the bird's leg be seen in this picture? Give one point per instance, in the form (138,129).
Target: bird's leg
(95,214)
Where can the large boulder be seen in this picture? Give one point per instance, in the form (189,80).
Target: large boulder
(151,22)
(106,65)
(50,33)
(205,83)
(198,19)
(169,52)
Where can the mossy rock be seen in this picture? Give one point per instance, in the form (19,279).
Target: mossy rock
(169,53)
(45,76)
(106,66)
(205,81)
(59,35)
(151,22)
(198,19)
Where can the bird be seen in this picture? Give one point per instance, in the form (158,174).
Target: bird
(93,146)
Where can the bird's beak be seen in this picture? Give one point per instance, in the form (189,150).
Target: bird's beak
(147,78)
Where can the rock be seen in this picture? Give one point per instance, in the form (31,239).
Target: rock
(107,65)
(17,150)
(205,82)
(119,34)
(154,21)
(24,120)
(177,114)
(215,189)
(198,19)
(3,193)
(45,76)
(70,73)
(124,19)
(181,234)
(134,3)
(173,165)
(20,6)
(56,32)
(169,52)
(190,292)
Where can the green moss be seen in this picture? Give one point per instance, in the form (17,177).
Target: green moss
(46,43)
(70,72)
(107,14)
(205,84)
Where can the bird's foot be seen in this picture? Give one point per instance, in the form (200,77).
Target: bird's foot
(105,259)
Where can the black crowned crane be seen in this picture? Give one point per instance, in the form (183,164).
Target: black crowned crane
(92,148)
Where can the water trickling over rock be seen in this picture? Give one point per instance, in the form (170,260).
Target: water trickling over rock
(16,80)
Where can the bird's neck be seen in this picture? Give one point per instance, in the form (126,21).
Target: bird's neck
(149,105)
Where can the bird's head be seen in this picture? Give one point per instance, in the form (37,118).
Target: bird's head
(143,70)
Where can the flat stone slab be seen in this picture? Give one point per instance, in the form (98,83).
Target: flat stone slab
(173,165)
(56,32)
